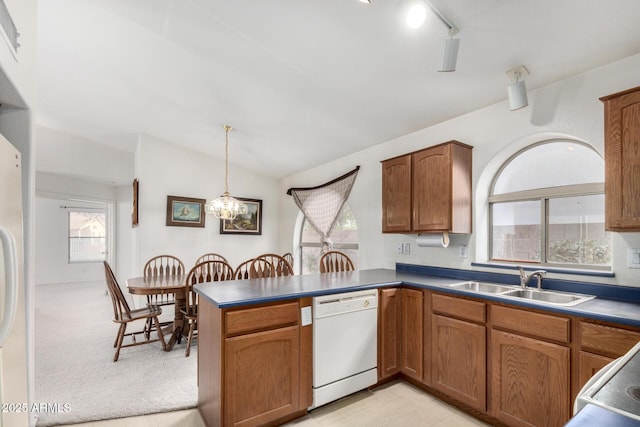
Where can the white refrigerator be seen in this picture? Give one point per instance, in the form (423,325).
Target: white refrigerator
(13,343)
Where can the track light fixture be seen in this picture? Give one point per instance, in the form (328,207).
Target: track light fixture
(414,12)
(517,91)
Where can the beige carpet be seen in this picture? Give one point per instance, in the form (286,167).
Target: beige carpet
(74,369)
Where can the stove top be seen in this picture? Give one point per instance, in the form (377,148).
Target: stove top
(622,390)
(617,386)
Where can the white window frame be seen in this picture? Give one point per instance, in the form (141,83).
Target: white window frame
(542,195)
(73,210)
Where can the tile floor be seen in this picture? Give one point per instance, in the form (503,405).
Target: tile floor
(396,404)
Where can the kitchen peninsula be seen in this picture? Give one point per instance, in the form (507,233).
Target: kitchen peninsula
(255,339)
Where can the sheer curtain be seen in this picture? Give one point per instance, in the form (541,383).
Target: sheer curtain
(321,204)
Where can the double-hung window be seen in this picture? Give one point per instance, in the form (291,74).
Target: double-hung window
(547,207)
(87,235)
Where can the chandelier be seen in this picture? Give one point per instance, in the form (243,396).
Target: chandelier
(225,206)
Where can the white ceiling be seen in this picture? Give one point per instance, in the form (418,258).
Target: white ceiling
(303,82)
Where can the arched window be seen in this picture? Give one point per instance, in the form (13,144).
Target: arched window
(344,237)
(547,206)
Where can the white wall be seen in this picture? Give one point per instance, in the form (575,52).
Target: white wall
(570,108)
(51,251)
(60,152)
(51,226)
(166,169)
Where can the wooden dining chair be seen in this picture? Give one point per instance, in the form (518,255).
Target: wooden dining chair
(289,257)
(161,266)
(207,271)
(270,265)
(242,271)
(333,261)
(211,257)
(124,315)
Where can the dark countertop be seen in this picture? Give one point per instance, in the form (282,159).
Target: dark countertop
(248,292)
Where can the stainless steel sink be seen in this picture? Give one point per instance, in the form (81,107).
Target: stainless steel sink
(490,288)
(549,297)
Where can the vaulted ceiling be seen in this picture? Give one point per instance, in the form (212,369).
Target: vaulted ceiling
(302,82)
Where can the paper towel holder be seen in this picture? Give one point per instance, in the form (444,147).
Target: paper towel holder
(444,241)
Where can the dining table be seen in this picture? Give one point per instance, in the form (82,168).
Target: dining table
(161,285)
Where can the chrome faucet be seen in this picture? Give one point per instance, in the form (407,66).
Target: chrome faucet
(525,278)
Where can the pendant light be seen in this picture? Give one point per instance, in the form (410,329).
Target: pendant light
(225,206)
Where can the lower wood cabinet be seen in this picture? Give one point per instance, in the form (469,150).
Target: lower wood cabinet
(400,332)
(412,322)
(389,320)
(530,375)
(254,364)
(262,376)
(599,345)
(458,360)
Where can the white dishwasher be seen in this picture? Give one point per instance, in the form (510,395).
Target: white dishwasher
(345,343)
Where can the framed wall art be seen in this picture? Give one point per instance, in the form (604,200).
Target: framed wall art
(185,211)
(134,214)
(247,223)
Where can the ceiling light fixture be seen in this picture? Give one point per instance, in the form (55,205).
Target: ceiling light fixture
(365,1)
(415,13)
(225,206)
(517,90)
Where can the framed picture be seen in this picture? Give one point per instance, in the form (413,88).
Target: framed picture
(185,211)
(134,214)
(248,223)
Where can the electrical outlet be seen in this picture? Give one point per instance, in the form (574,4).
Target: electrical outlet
(462,250)
(400,248)
(634,258)
(407,249)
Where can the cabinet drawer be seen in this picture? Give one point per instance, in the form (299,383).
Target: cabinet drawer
(260,318)
(534,324)
(458,307)
(607,340)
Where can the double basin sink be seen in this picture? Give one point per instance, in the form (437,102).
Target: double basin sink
(529,294)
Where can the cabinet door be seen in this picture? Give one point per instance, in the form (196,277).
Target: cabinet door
(411,343)
(432,189)
(388,333)
(590,364)
(622,161)
(396,194)
(262,372)
(530,381)
(458,360)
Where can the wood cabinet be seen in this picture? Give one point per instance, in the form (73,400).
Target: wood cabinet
(254,363)
(400,333)
(412,321)
(262,374)
(389,321)
(622,160)
(530,382)
(599,345)
(428,190)
(396,195)
(458,351)
(515,366)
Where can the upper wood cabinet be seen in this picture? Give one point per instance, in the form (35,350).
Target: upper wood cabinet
(396,194)
(622,160)
(428,190)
